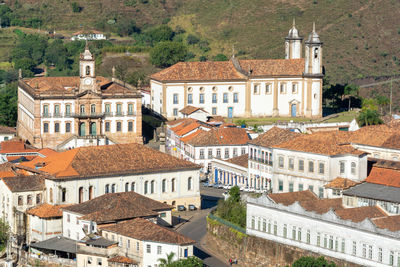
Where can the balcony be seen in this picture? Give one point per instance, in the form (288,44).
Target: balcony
(87,115)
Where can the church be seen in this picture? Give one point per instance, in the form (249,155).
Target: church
(290,87)
(86,110)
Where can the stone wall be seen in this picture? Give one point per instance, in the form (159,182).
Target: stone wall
(254,251)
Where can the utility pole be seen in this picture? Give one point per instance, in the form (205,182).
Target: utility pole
(391,94)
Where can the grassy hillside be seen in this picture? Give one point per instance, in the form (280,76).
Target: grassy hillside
(359,36)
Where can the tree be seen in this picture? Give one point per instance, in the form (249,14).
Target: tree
(234,194)
(351,90)
(4,230)
(8,105)
(126,27)
(188,262)
(369,117)
(309,261)
(220,57)
(382,101)
(232,209)
(165,54)
(168,261)
(161,34)
(192,39)
(56,54)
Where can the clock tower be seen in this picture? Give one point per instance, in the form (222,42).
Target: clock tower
(87,71)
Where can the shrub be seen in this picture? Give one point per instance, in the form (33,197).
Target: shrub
(220,57)
(192,39)
(75,7)
(165,54)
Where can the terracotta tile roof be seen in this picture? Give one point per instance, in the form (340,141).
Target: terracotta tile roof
(191,136)
(341,183)
(118,206)
(221,136)
(47,152)
(187,128)
(384,135)
(122,259)
(291,197)
(384,176)
(325,143)
(175,122)
(108,160)
(360,213)
(322,206)
(142,229)
(13,146)
(24,183)
(242,160)
(6,169)
(392,223)
(7,130)
(274,136)
(226,70)
(384,163)
(189,110)
(47,211)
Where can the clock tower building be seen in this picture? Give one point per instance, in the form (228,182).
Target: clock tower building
(87,71)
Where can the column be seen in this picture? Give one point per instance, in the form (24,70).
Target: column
(164,100)
(275,111)
(247,108)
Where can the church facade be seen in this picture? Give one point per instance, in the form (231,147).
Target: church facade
(289,87)
(68,112)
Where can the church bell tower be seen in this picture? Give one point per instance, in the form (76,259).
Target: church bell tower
(313,54)
(293,43)
(87,71)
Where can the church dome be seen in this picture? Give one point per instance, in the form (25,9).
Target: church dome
(313,37)
(293,33)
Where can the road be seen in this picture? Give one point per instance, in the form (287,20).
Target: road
(196,228)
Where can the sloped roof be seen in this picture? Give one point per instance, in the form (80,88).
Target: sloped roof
(322,206)
(375,191)
(384,176)
(360,213)
(122,259)
(118,206)
(226,70)
(392,223)
(221,136)
(47,211)
(145,230)
(6,169)
(97,161)
(24,183)
(341,183)
(190,109)
(291,197)
(242,160)
(273,136)
(7,130)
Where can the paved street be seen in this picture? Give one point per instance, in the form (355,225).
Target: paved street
(196,227)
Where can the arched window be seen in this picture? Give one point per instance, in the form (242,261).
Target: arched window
(38,198)
(20,201)
(107,189)
(90,192)
(190,183)
(133,187)
(353,168)
(87,70)
(51,195)
(93,108)
(80,195)
(152,187)
(126,187)
(164,185)
(145,187)
(113,188)
(82,109)
(173,185)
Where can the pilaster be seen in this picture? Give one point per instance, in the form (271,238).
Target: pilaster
(185,95)
(275,111)
(309,98)
(164,100)
(247,109)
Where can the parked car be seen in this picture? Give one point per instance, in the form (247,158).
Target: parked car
(210,184)
(181,208)
(205,184)
(192,207)
(220,186)
(216,185)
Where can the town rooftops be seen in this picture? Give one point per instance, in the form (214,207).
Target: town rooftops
(190,110)
(322,206)
(7,130)
(47,211)
(242,160)
(341,183)
(230,70)
(392,223)
(374,191)
(7,169)
(114,207)
(24,183)
(384,176)
(221,136)
(361,213)
(274,136)
(95,161)
(123,260)
(145,230)
(384,135)
(291,197)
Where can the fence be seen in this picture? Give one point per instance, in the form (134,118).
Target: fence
(229,224)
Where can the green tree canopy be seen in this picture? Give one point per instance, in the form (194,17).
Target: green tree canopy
(220,57)
(382,101)
(160,34)
(8,107)
(188,262)
(165,54)
(126,27)
(313,262)
(351,90)
(56,54)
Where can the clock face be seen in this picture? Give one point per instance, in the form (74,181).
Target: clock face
(88,81)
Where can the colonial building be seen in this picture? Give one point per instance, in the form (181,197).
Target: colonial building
(287,87)
(6,133)
(66,112)
(88,35)
(231,172)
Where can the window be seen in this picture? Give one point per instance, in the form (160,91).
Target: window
(230,88)
(280,185)
(190,98)
(301,187)
(226,153)
(159,250)
(294,233)
(281,163)
(343,246)
(311,166)
(294,88)
(146,187)
(56,127)
(67,127)
(235,98)
(264,227)
(68,218)
(210,154)
(130,109)
(45,127)
(259,224)
(321,168)
(130,126)
(126,187)
(20,201)
(269,227)
(56,110)
(137,246)
(107,109)
(190,183)
(119,126)
(82,109)
(92,109)
(225,99)
(353,168)
(218,153)
(128,243)
(285,231)
(318,239)
(120,242)
(290,186)
(364,251)
(321,192)
(175,98)
(202,153)
(370,252)
(267,88)
(235,152)
(308,237)
(175,112)
(354,248)
(89,260)
(133,186)
(253,223)
(243,151)
(391,258)
(299,234)
(301,165)
(283,88)
(107,189)
(214,88)
(163,185)
(256,89)
(311,188)
(214,111)
(173,185)
(45,110)
(38,198)
(275,228)
(331,242)
(148,248)
(152,185)
(342,167)
(201,99)
(119,109)
(291,163)
(214,98)
(380,254)
(63,194)
(113,188)
(67,109)
(325,241)
(107,126)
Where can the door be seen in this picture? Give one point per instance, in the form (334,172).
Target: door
(82,128)
(294,110)
(216,176)
(230,112)
(93,128)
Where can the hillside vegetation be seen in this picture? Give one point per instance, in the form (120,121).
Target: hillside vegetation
(359,36)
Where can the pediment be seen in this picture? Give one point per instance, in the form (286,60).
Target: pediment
(88,94)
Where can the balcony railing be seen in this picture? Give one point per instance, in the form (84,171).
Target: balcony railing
(88,115)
